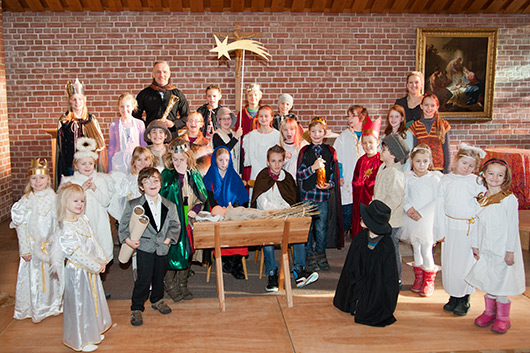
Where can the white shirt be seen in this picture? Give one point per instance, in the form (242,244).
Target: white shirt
(156,209)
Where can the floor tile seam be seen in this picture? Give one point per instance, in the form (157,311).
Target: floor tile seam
(285,324)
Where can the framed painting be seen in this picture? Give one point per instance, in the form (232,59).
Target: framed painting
(459,68)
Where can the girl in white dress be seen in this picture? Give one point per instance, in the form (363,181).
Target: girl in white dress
(257,142)
(39,290)
(97,193)
(292,143)
(86,314)
(456,209)
(125,134)
(421,188)
(499,270)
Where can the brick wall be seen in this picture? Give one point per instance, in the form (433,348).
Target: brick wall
(326,61)
(5,160)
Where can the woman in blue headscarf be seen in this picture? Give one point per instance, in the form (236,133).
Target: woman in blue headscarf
(225,186)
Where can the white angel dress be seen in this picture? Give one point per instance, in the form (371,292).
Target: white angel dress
(86,313)
(456,208)
(122,188)
(39,292)
(420,193)
(96,208)
(496,232)
(256,145)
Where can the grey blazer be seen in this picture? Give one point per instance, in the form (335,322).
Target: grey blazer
(153,239)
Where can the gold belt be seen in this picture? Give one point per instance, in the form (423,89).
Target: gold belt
(469,221)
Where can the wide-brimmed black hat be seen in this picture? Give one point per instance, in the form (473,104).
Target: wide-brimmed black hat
(376,216)
(157,124)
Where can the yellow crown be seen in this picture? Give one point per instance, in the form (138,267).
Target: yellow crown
(38,167)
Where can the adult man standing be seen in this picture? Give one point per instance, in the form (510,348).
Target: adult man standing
(155,99)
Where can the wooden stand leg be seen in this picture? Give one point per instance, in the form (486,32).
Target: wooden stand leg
(219,268)
(285,265)
(244,264)
(261,263)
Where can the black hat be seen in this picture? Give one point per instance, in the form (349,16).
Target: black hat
(376,216)
(157,124)
(397,146)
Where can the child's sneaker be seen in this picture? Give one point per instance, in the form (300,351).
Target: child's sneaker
(304,278)
(322,261)
(136,318)
(272,285)
(311,262)
(162,307)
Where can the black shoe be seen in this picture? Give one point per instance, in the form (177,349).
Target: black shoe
(272,285)
(311,262)
(462,307)
(107,295)
(304,278)
(451,304)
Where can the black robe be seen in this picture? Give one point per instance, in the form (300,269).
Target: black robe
(369,285)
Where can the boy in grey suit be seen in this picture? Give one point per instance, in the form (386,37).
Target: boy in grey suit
(152,248)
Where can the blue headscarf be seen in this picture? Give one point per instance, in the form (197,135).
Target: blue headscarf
(227,189)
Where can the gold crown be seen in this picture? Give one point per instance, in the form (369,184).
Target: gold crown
(74,88)
(319,120)
(38,167)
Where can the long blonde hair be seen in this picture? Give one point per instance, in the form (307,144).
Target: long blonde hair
(28,189)
(293,124)
(65,191)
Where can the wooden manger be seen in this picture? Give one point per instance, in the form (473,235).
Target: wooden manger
(256,232)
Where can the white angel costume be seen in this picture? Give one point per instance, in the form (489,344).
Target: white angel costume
(86,313)
(256,145)
(96,208)
(122,188)
(349,149)
(456,208)
(420,193)
(497,232)
(39,292)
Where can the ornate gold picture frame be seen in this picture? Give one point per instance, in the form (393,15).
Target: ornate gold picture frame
(459,68)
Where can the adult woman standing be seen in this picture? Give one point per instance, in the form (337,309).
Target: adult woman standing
(411,102)
(76,122)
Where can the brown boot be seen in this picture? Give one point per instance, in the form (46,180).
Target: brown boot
(171,285)
(182,279)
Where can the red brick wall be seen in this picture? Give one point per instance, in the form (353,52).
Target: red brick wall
(326,61)
(6,195)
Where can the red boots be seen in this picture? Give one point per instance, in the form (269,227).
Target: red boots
(423,281)
(502,321)
(488,316)
(428,283)
(418,280)
(498,313)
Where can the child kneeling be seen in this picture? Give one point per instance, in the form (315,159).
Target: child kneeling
(153,246)
(368,286)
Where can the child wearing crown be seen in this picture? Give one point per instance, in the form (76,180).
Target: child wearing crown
(365,171)
(39,290)
(96,190)
(74,124)
(326,227)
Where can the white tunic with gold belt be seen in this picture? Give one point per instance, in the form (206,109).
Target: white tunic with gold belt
(39,291)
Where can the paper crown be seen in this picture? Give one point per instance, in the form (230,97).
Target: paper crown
(86,147)
(319,120)
(371,127)
(38,168)
(253,87)
(74,88)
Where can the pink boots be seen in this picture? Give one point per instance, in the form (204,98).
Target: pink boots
(418,280)
(488,316)
(428,283)
(498,313)
(502,322)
